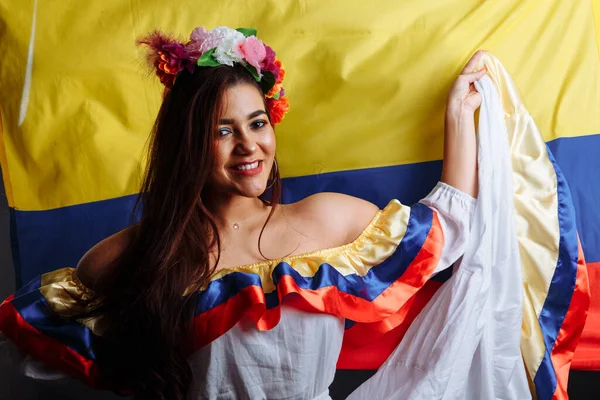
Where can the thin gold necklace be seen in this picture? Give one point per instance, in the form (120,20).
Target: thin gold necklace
(236,225)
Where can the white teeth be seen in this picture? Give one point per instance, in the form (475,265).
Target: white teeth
(247,166)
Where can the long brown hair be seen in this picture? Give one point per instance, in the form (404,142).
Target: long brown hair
(144,311)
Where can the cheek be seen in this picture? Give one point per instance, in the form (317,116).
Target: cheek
(269,143)
(220,155)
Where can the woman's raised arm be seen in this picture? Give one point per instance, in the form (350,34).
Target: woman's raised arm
(460,144)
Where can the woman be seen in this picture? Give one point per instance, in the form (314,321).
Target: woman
(211,226)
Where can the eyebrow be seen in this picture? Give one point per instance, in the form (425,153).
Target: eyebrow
(250,116)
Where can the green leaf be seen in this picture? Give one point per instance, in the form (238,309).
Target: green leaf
(267,82)
(207,60)
(252,70)
(247,31)
(276,96)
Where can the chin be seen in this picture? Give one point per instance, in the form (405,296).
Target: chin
(251,187)
(253,192)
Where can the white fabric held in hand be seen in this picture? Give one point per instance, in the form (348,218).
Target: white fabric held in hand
(465,343)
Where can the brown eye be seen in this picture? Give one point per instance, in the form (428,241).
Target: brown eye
(259,124)
(224,131)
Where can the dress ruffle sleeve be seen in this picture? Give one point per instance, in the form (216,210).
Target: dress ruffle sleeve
(37,321)
(455,213)
(368,344)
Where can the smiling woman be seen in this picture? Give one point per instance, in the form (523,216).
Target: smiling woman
(245,144)
(243,165)
(207,231)
(220,291)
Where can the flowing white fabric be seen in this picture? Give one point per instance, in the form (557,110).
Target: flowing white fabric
(465,343)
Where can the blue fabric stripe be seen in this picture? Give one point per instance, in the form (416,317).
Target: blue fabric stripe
(34,284)
(221,290)
(408,183)
(579,161)
(368,287)
(34,309)
(53,239)
(561,287)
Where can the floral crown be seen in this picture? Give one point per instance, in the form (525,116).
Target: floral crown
(220,46)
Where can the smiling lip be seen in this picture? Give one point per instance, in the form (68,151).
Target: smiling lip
(247,172)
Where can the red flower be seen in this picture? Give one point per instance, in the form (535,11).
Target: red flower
(277,109)
(167,55)
(171,61)
(281,72)
(279,79)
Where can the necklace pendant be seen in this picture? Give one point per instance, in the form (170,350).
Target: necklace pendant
(236,226)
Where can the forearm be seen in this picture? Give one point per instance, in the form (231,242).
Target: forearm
(460,152)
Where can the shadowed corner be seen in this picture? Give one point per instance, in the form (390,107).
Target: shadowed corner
(7,271)
(347,380)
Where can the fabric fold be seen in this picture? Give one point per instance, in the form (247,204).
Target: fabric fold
(516,304)
(441,349)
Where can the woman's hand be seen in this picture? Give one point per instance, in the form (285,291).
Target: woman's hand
(460,143)
(463,97)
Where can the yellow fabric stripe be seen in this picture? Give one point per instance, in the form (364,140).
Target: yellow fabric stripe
(367,83)
(596,14)
(536,209)
(4,166)
(67,296)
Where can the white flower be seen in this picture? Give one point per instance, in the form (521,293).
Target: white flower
(227,48)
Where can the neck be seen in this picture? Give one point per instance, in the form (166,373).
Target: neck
(231,209)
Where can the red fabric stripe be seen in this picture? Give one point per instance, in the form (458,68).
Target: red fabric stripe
(571,328)
(213,323)
(587,353)
(44,348)
(384,336)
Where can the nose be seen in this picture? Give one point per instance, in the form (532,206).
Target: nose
(246,142)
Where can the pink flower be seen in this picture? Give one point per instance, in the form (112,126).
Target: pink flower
(202,40)
(253,51)
(270,63)
(269,58)
(200,34)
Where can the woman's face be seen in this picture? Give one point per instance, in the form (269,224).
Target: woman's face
(244,144)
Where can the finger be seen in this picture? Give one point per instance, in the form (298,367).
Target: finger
(472,62)
(474,76)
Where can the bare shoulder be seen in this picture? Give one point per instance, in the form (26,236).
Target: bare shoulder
(344,217)
(103,257)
